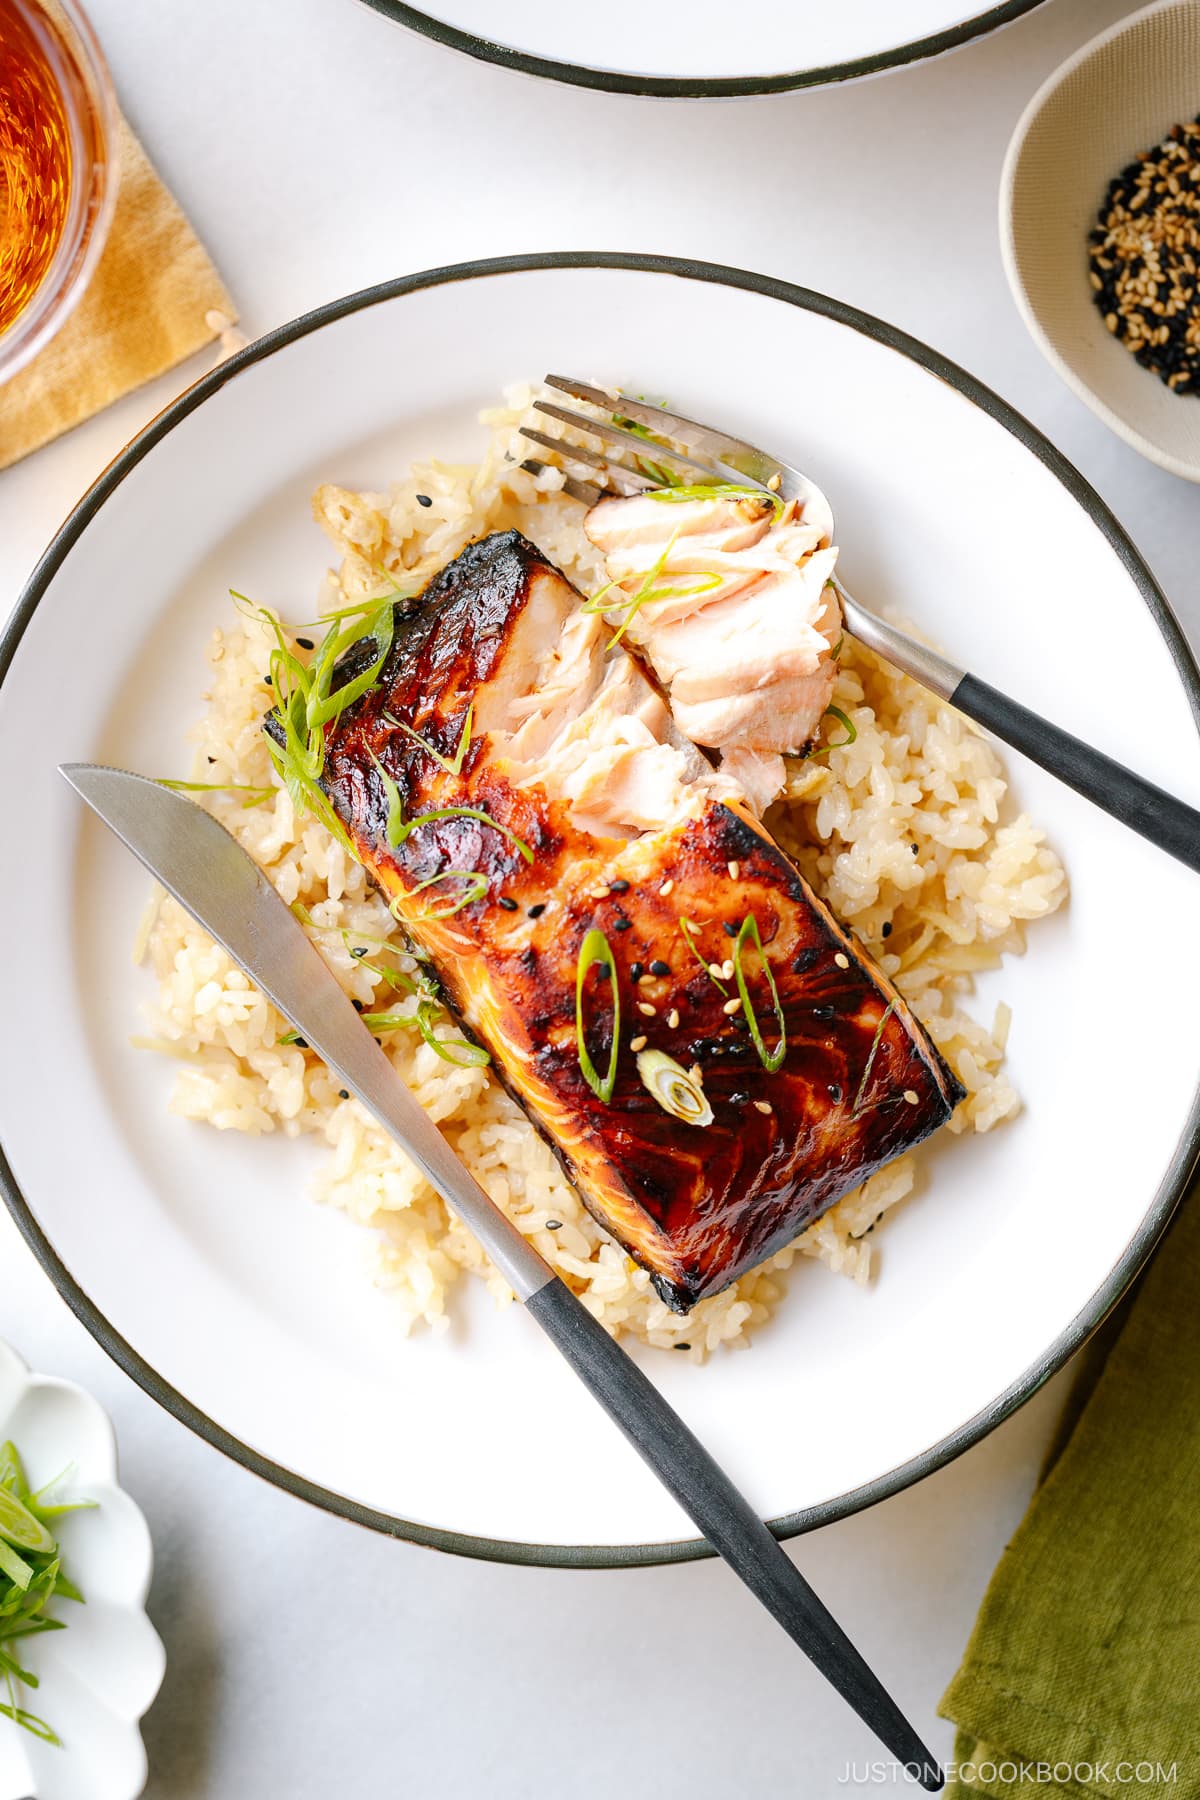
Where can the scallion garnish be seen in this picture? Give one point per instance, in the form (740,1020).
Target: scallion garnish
(676,495)
(31,1575)
(631,604)
(596,949)
(770,1059)
(835,712)
(476,888)
(688,928)
(888,1010)
(255,795)
(674,1089)
(452,765)
(393,829)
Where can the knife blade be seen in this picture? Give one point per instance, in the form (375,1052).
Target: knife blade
(214,879)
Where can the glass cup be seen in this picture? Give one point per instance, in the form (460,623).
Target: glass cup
(58,169)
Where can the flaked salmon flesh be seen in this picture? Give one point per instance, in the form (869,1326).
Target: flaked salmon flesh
(730,601)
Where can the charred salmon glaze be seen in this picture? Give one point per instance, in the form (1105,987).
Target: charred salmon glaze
(592,895)
(729,598)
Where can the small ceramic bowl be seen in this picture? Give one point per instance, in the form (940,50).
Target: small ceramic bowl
(98,1676)
(1118,95)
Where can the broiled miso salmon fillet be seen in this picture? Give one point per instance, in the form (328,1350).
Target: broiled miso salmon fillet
(588,890)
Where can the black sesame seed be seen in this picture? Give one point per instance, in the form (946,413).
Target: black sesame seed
(305,643)
(620,886)
(824,1012)
(806,959)
(507,902)
(212,759)
(622,924)
(554,1224)
(267,679)
(343,1093)
(738,1099)
(658,967)
(835,1092)
(887,929)
(636,971)
(424,500)
(681,1346)
(535,912)
(731,929)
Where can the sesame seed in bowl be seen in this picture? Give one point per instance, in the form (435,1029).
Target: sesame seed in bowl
(1100,220)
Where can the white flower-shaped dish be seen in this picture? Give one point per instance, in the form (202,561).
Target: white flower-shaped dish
(99,1675)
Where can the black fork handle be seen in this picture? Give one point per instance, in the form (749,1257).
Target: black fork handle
(1149,810)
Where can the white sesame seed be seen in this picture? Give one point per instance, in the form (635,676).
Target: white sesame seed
(762,1106)
(637,1043)
(732,1006)
(715,970)
(727,970)
(843,962)
(735,870)
(913,1099)
(673,1019)
(644,1006)
(666,887)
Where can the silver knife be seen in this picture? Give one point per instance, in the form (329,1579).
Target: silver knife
(209,873)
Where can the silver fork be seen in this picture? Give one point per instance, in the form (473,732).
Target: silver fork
(715,455)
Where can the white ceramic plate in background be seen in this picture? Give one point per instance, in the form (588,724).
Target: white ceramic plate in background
(1117,96)
(196,1256)
(100,1675)
(706,48)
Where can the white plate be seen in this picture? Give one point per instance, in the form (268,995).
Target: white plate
(706,47)
(197,1258)
(98,1676)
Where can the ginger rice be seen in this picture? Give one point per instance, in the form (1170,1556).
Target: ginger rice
(903,832)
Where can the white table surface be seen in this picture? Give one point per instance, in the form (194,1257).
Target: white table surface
(318,148)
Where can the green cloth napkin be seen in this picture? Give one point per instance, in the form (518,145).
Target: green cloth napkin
(1085,1657)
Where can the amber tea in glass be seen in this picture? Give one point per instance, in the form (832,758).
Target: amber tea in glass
(57,173)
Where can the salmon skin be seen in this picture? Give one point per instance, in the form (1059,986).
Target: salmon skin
(628,828)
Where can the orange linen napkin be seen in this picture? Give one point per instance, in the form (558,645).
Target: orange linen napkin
(154,298)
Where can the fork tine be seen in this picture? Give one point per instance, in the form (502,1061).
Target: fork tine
(576,453)
(586,491)
(628,440)
(745,461)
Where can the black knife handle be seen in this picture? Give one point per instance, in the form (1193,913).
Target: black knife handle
(725,1517)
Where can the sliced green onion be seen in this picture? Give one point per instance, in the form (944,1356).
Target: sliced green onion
(888,1010)
(30,1576)
(452,765)
(477,887)
(688,929)
(674,1089)
(257,794)
(394,829)
(770,1059)
(676,495)
(596,949)
(835,712)
(465,812)
(631,604)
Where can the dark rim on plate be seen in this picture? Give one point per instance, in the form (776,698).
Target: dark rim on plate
(1186,1152)
(703,88)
